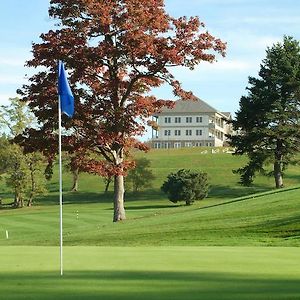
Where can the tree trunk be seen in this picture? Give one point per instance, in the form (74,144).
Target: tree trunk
(278,164)
(18,203)
(30,200)
(107,183)
(278,174)
(33,186)
(119,210)
(75,180)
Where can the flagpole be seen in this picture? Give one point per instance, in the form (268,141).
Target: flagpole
(65,105)
(60,190)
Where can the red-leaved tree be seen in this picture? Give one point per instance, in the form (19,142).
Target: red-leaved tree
(116,52)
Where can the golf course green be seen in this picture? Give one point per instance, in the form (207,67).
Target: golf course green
(215,273)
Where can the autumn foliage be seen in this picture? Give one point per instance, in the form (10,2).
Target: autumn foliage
(116,52)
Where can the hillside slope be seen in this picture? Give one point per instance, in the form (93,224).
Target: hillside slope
(270,219)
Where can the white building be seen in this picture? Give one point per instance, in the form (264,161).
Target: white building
(190,124)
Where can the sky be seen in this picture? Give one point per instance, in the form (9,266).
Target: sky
(247,26)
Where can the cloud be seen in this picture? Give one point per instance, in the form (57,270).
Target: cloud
(204,71)
(259,20)
(244,42)
(14,56)
(263,20)
(265,41)
(12,61)
(12,79)
(4,98)
(230,65)
(197,3)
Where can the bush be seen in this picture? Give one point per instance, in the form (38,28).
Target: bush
(186,185)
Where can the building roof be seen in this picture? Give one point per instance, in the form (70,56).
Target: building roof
(227,114)
(189,106)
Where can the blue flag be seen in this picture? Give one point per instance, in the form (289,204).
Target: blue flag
(64,91)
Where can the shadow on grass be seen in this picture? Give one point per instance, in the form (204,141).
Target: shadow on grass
(227,192)
(149,195)
(146,195)
(75,198)
(150,207)
(94,197)
(287,228)
(295,177)
(148,285)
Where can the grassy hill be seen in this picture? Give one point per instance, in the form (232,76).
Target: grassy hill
(218,166)
(231,215)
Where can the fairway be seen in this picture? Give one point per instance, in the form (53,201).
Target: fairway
(210,273)
(267,219)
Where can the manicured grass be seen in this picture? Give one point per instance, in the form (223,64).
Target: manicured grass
(213,250)
(271,219)
(210,273)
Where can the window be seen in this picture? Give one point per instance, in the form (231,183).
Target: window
(167,132)
(167,119)
(177,119)
(199,119)
(177,145)
(188,144)
(197,144)
(188,119)
(177,132)
(156,145)
(198,131)
(188,132)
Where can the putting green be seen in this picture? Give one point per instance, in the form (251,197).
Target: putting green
(189,273)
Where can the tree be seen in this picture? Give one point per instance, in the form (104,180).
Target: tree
(4,154)
(36,166)
(75,172)
(107,182)
(186,185)
(15,117)
(23,171)
(17,174)
(267,122)
(141,176)
(75,167)
(116,51)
